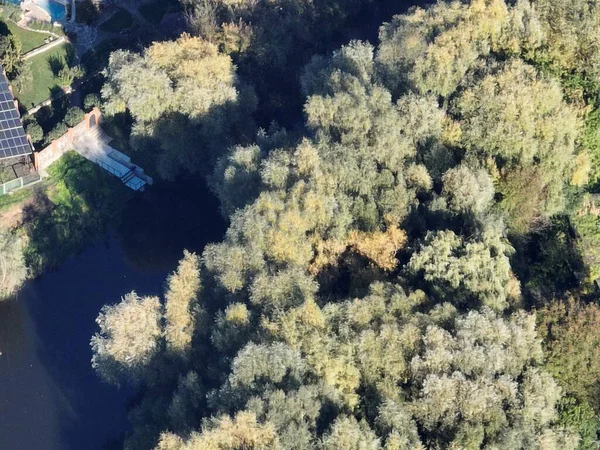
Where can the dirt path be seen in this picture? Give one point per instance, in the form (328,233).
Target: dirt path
(45,47)
(13,216)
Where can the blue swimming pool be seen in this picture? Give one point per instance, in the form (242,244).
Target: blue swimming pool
(57,10)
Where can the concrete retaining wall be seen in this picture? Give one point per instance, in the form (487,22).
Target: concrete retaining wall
(45,157)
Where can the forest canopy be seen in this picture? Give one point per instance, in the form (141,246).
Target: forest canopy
(411,266)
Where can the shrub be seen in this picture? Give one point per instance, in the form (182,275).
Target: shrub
(35,132)
(90,101)
(74,116)
(56,132)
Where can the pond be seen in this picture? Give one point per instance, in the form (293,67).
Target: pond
(50,397)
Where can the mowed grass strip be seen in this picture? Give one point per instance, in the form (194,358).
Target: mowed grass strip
(30,40)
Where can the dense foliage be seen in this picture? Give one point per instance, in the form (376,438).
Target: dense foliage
(377,283)
(75,210)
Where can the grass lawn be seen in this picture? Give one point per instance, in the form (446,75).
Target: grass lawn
(6,201)
(43,77)
(120,20)
(29,39)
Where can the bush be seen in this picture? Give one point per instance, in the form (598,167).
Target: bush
(56,132)
(74,116)
(581,417)
(90,101)
(85,199)
(35,132)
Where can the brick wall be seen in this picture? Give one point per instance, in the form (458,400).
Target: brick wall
(45,157)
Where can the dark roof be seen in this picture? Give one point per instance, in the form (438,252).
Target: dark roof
(13,140)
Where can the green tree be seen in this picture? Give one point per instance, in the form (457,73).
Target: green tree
(431,50)
(35,132)
(185,98)
(225,433)
(182,308)
(571,340)
(349,434)
(466,190)
(467,271)
(91,101)
(10,54)
(129,338)
(56,132)
(513,119)
(22,76)
(67,74)
(74,116)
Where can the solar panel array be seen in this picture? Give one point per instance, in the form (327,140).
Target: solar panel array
(13,140)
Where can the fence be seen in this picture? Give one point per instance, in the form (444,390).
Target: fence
(63,144)
(19,183)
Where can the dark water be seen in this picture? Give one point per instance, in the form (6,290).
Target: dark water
(50,398)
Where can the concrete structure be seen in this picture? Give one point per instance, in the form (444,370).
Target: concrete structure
(88,139)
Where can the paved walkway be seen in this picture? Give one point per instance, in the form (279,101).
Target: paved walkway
(94,147)
(45,47)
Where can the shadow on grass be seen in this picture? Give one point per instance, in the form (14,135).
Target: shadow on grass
(55,63)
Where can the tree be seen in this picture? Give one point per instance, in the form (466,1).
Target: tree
(74,116)
(467,190)
(514,120)
(569,329)
(10,54)
(185,98)
(56,132)
(128,339)
(523,32)
(22,76)
(67,74)
(431,50)
(293,415)
(467,380)
(572,42)
(349,434)
(225,433)
(467,271)
(91,101)
(13,271)
(181,304)
(134,84)
(236,179)
(580,416)
(35,132)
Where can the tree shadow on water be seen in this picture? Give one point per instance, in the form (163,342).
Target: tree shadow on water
(84,202)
